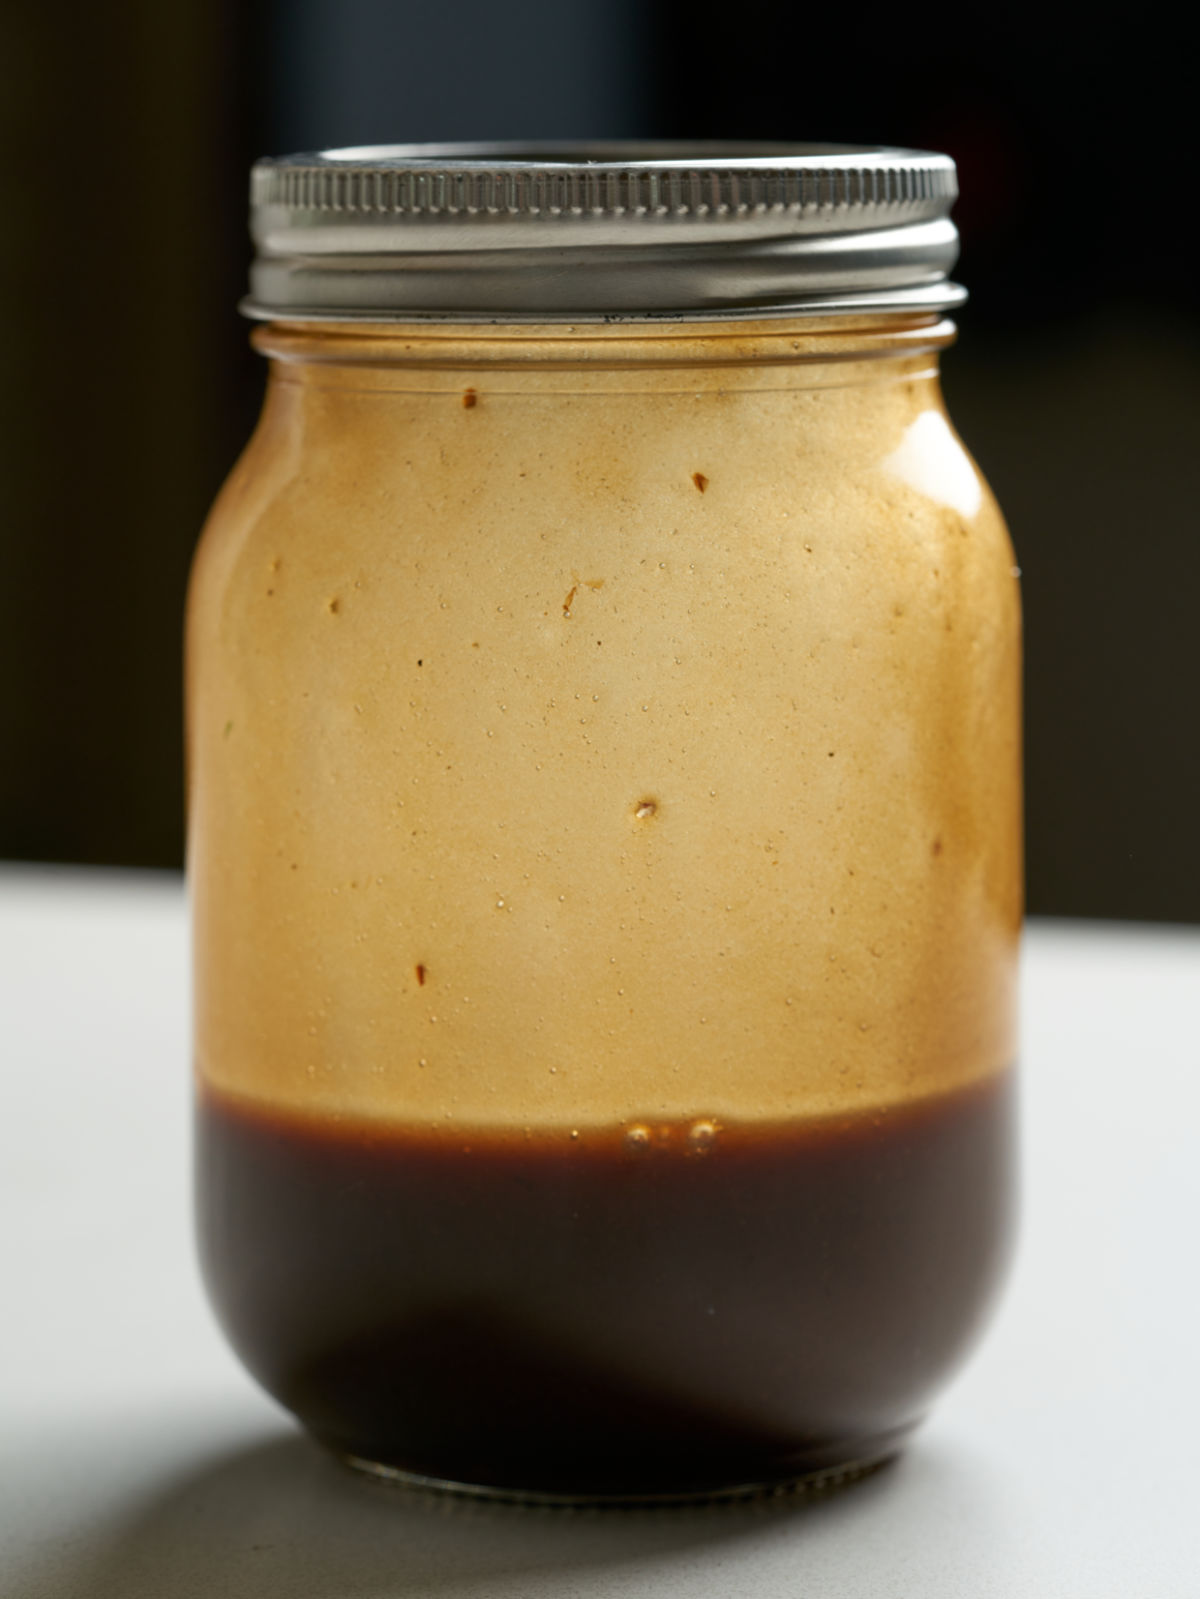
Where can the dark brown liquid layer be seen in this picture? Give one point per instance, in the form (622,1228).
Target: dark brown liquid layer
(586,1316)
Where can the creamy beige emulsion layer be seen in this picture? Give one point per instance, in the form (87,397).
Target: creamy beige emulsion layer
(604,724)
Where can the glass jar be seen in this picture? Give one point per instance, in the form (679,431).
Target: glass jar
(604,828)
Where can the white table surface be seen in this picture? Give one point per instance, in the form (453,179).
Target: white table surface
(136,1459)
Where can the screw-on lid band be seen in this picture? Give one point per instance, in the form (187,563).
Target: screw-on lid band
(587,232)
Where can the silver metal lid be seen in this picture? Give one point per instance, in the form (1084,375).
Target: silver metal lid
(597,232)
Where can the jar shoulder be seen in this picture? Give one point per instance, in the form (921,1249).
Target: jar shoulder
(383,478)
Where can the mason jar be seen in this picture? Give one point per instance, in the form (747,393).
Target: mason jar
(604,788)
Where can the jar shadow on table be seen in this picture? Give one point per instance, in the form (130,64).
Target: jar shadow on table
(281,1518)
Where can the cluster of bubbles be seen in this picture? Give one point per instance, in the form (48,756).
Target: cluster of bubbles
(696,1138)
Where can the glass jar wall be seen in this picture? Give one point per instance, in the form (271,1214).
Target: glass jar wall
(605,853)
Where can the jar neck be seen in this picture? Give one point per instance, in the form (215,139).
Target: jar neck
(616,347)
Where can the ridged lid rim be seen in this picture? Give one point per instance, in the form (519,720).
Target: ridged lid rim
(451,180)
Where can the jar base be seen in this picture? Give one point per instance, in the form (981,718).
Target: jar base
(797,1485)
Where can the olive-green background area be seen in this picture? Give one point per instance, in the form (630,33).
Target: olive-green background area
(128,387)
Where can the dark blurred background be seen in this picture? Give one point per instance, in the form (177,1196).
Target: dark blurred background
(128,388)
